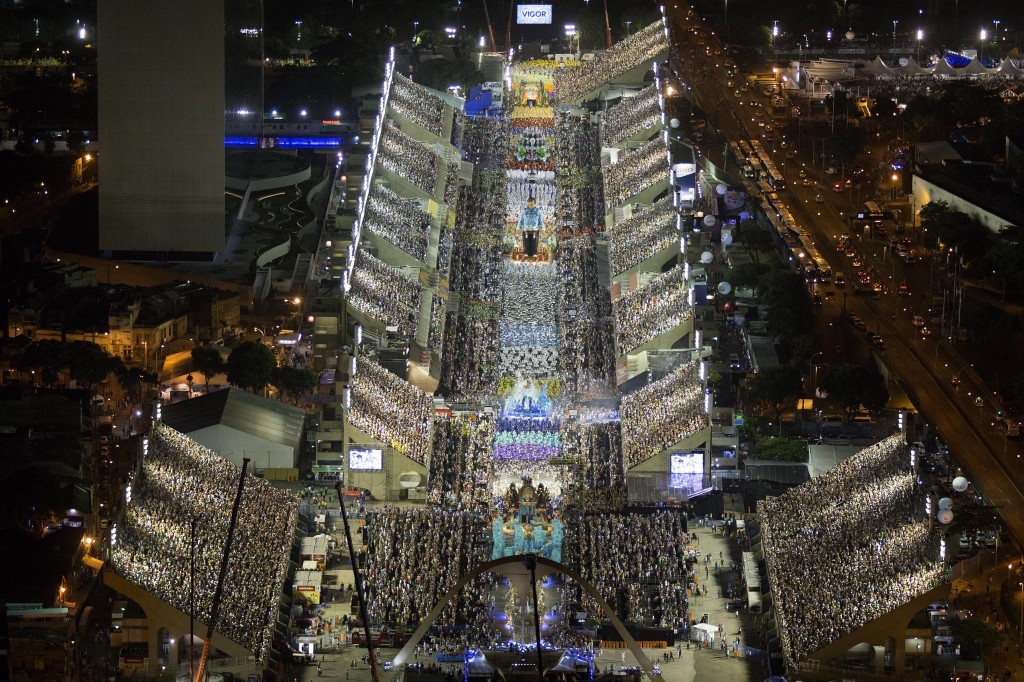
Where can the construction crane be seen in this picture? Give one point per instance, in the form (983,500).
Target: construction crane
(219,591)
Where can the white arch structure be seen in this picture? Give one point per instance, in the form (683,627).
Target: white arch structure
(509,564)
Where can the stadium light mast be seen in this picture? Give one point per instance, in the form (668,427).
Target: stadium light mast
(607,27)
(219,590)
(360,593)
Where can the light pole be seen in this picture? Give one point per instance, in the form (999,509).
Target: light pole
(415,29)
(894,22)
(775,33)
(920,34)
(981,43)
(726,21)
(846,17)
(1022,613)
(812,371)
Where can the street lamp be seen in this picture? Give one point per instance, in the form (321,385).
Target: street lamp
(920,34)
(894,22)
(1022,613)
(984,37)
(415,29)
(775,33)
(570,33)
(812,370)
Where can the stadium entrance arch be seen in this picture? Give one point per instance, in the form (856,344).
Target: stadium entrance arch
(516,570)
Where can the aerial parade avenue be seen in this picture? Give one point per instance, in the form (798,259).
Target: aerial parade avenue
(443,341)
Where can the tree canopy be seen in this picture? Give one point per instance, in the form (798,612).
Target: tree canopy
(781,449)
(854,385)
(251,366)
(207,361)
(776,388)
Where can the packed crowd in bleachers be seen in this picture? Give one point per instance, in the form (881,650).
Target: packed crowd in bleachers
(652,309)
(662,413)
(471,364)
(614,551)
(586,343)
(179,481)
(631,116)
(645,233)
(460,464)
(409,159)
(390,409)
(847,547)
(636,170)
(597,444)
(385,294)
(485,142)
(643,46)
(415,556)
(418,104)
(398,220)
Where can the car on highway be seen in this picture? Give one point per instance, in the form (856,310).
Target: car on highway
(840,281)
(734,361)
(837,187)
(917,321)
(878,287)
(806,182)
(857,263)
(802,173)
(850,253)
(790,154)
(925,332)
(818,199)
(955,380)
(878,343)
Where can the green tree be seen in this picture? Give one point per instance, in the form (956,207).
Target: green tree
(88,363)
(749,276)
(756,240)
(853,385)
(131,378)
(781,450)
(48,358)
(207,361)
(294,381)
(789,305)
(776,388)
(251,366)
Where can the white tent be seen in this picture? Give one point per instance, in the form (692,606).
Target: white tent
(704,632)
(944,69)
(1009,69)
(912,68)
(976,68)
(877,68)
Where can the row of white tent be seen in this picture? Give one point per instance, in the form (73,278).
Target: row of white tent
(879,69)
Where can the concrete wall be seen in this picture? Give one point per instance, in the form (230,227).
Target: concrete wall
(161,123)
(926,192)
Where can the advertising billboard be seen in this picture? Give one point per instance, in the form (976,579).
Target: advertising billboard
(533,14)
(365,459)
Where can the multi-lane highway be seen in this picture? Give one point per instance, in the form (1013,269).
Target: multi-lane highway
(924,366)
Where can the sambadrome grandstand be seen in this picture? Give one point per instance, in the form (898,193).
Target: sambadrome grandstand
(518,311)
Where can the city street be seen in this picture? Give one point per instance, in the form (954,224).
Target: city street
(925,367)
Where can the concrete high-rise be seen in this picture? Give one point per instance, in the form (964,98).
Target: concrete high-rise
(161,127)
